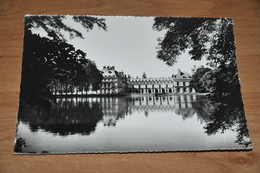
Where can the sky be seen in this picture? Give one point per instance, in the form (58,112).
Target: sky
(129,44)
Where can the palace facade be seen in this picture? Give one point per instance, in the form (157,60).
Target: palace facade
(113,82)
(117,83)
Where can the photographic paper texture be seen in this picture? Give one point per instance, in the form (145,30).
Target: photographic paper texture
(102,84)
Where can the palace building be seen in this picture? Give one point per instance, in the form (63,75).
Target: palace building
(113,82)
(117,83)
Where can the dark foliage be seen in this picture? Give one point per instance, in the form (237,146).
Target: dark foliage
(53,25)
(49,62)
(213,39)
(19,144)
(182,34)
(66,117)
(197,81)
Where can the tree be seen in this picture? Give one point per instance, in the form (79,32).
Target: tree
(48,61)
(213,39)
(228,112)
(54,25)
(93,76)
(198,80)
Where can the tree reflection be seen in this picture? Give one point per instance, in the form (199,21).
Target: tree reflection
(80,115)
(68,116)
(202,107)
(76,115)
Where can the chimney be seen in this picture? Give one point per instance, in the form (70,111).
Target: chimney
(179,72)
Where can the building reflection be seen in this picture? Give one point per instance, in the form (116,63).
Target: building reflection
(185,105)
(113,109)
(84,115)
(116,108)
(80,115)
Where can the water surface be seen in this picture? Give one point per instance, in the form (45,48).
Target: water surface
(122,124)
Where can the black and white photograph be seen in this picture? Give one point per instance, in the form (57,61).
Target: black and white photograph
(120,84)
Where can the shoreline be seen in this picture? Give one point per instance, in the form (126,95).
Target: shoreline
(128,95)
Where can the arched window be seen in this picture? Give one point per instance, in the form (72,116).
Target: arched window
(163,90)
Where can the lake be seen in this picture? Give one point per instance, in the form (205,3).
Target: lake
(140,123)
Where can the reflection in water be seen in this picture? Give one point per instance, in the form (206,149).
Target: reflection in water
(67,116)
(115,124)
(184,105)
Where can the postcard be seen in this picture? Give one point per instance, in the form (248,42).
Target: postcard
(120,84)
